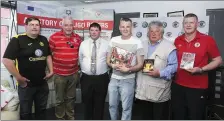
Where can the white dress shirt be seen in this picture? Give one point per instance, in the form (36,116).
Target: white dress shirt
(85,52)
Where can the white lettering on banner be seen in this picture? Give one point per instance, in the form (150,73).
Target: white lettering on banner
(24,19)
(103,25)
(60,23)
(79,25)
(55,22)
(88,24)
(48,22)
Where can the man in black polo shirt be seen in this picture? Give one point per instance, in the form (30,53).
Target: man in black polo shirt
(32,54)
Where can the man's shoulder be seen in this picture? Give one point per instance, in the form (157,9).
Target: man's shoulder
(205,36)
(20,36)
(116,38)
(104,41)
(135,39)
(76,35)
(179,37)
(166,41)
(43,37)
(168,44)
(85,41)
(56,34)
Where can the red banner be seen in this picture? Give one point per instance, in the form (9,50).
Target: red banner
(56,23)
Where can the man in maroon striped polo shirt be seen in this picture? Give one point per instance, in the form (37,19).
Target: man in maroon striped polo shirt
(65,46)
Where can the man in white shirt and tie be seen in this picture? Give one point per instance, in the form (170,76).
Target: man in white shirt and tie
(95,78)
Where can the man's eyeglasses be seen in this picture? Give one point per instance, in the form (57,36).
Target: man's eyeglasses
(70,44)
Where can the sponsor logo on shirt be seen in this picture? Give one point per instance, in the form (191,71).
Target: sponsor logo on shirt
(38,52)
(37,59)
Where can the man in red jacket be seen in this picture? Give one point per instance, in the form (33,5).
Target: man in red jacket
(194,51)
(65,48)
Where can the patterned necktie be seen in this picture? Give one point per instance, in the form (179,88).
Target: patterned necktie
(93,58)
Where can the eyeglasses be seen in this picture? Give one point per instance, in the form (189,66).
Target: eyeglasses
(70,44)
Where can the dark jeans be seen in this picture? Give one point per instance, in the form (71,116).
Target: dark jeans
(94,91)
(187,103)
(153,111)
(38,94)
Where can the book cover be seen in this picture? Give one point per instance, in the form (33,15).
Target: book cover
(121,56)
(187,60)
(148,65)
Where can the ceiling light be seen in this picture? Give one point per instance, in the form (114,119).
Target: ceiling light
(89,1)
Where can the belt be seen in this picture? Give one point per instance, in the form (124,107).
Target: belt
(84,74)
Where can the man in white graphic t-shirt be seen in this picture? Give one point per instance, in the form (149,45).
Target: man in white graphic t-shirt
(125,56)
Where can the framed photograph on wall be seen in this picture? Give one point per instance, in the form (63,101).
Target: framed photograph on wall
(148,15)
(175,14)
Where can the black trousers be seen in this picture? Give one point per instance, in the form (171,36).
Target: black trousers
(153,111)
(94,91)
(187,103)
(38,94)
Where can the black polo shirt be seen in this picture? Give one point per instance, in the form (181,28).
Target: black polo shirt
(31,55)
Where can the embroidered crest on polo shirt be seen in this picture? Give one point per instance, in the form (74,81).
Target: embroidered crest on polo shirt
(197,44)
(41,44)
(38,52)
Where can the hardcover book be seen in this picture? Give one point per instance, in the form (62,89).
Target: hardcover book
(148,65)
(187,60)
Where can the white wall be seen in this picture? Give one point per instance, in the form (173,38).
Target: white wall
(56,3)
(162,7)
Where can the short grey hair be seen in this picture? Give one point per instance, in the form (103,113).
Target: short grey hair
(67,18)
(156,23)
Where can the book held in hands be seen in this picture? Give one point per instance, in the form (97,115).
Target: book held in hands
(148,65)
(187,60)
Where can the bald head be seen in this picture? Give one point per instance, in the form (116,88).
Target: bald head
(67,25)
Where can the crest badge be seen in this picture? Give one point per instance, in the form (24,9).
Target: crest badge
(41,44)
(197,44)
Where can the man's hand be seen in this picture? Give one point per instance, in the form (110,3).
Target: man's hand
(195,70)
(22,81)
(49,75)
(115,66)
(122,68)
(154,73)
